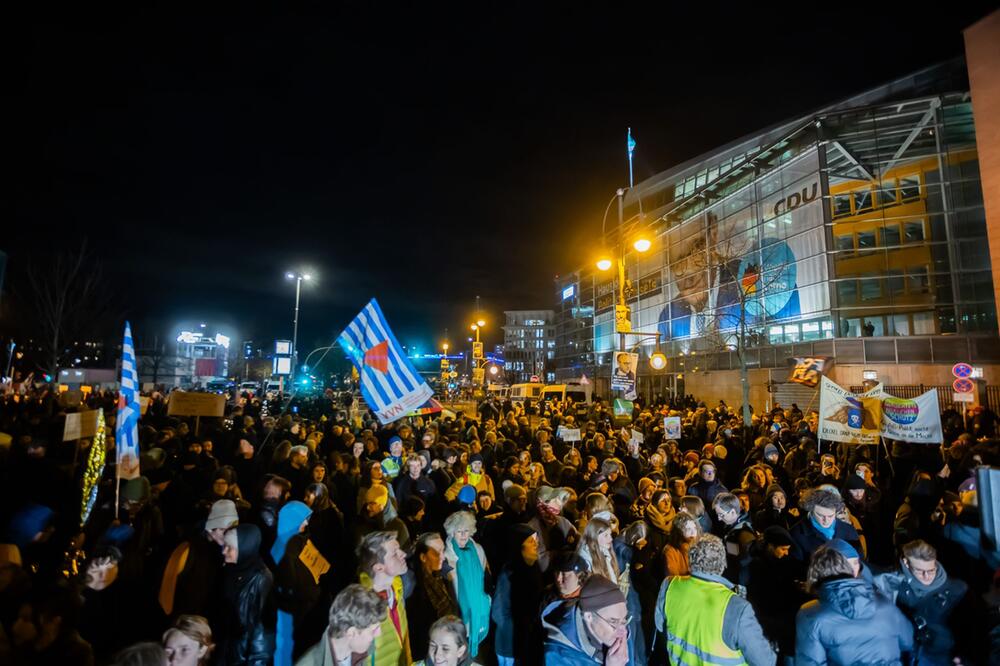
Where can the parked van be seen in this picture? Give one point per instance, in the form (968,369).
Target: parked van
(522,392)
(499,391)
(578,392)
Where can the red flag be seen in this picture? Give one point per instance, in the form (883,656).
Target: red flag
(378,357)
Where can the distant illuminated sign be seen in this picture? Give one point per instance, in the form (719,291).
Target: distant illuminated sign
(569,291)
(283,347)
(282,366)
(221,339)
(188,337)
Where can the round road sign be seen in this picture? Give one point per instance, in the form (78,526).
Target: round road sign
(962,370)
(963,385)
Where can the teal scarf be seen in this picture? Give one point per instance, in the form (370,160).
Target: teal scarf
(472,599)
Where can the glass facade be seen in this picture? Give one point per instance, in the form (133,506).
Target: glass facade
(859,222)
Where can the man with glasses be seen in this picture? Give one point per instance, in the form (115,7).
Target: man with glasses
(594,630)
(926,594)
(704,621)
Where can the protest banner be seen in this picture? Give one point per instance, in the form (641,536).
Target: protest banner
(849,417)
(570,434)
(672,427)
(183,403)
(623,372)
(314,561)
(912,420)
(80,424)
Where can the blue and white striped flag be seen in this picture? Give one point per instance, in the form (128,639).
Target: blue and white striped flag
(127,427)
(390,384)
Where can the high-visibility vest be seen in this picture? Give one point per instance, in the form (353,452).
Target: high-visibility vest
(694,610)
(391,648)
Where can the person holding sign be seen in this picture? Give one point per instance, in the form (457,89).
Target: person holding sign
(296,579)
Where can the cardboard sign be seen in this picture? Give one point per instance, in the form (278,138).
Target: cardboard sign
(80,425)
(672,427)
(637,437)
(196,404)
(314,561)
(144,404)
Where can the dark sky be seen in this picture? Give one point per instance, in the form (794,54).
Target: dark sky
(422,156)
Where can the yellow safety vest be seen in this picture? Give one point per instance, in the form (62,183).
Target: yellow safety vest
(391,648)
(694,610)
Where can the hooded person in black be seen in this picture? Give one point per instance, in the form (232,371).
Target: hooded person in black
(246,587)
(518,597)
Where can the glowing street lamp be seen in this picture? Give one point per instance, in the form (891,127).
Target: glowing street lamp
(642,244)
(604,263)
(658,361)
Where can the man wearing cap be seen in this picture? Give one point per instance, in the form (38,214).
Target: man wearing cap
(375,518)
(571,573)
(704,621)
(474,476)
(594,630)
(191,577)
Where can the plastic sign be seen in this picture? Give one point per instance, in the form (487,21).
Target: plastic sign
(963,397)
(568,292)
(962,370)
(283,347)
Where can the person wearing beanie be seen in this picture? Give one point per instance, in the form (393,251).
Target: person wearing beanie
(594,630)
(703,620)
(474,476)
(517,598)
(392,465)
(775,510)
(773,589)
(378,514)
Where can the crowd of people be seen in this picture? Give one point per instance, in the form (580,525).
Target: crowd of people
(313,538)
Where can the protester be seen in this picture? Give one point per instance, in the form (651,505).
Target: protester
(448,645)
(355,621)
(594,630)
(188,642)
(383,565)
(246,587)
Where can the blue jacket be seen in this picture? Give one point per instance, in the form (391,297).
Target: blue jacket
(851,624)
(566,642)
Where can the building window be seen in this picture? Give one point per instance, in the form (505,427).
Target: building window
(866,240)
(845,243)
(890,235)
(909,188)
(913,232)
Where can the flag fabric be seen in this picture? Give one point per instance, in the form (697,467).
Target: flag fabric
(852,418)
(127,427)
(389,383)
(630,142)
(808,370)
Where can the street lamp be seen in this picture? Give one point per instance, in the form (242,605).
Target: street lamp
(298,277)
(658,361)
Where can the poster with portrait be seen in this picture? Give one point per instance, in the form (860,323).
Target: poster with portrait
(623,367)
(853,418)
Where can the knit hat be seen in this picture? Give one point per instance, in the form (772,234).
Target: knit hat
(570,561)
(475,457)
(855,482)
(776,535)
(599,593)
(136,490)
(770,449)
(721,452)
(692,456)
(842,547)
(394,439)
(222,516)
(645,482)
(774,488)
(377,494)
(467,495)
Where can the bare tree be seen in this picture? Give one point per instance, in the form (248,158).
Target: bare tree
(154,359)
(71,300)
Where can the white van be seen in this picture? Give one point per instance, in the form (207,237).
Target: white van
(578,392)
(522,392)
(499,391)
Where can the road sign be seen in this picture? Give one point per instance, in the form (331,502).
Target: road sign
(962,385)
(963,397)
(477,350)
(962,370)
(535,379)
(445,363)
(478,374)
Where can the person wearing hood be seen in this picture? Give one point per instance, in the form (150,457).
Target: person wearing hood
(922,589)
(246,587)
(850,623)
(775,510)
(593,630)
(518,595)
(773,589)
(913,518)
(704,620)
(474,476)
(296,587)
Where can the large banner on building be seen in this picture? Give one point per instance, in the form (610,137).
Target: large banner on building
(917,420)
(853,418)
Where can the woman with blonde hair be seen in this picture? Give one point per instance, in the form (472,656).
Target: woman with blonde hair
(188,642)
(469,568)
(597,550)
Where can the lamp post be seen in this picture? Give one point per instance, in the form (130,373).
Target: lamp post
(298,277)
(623,324)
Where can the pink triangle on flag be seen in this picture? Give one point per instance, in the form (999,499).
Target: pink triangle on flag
(378,357)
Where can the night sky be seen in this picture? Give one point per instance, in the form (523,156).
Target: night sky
(417,155)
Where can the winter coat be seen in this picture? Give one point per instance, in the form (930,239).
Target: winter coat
(250,643)
(706,491)
(516,600)
(851,624)
(807,538)
(929,607)
(566,642)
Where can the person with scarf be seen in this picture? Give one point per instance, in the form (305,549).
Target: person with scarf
(433,593)
(469,569)
(926,594)
(820,524)
(246,587)
(554,531)
(474,476)
(384,570)
(296,589)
